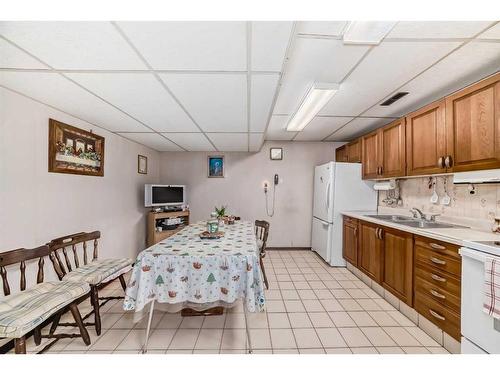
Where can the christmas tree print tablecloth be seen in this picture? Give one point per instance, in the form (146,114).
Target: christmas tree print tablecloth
(186,269)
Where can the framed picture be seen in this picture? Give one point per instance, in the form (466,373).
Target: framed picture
(142,164)
(216,166)
(74,150)
(276,153)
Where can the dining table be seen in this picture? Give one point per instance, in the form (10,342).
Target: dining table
(187,271)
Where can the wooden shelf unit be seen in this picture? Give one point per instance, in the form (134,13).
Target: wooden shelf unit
(153,217)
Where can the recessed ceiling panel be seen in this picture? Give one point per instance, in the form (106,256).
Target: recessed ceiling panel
(152,140)
(192,45)
(277,129)
(384,69)
(357,127)
(269,44)
(57,91)
(492,33)
(469,64)
(230,141)
(329,28)
(263,89)
(191,141)
(140,95)
(437,29)
(321,127)
(217,102)
(13,57)
(73,45)
(255,141)
(314,60)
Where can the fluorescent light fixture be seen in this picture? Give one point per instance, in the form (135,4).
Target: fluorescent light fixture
(316,98)
(367,32)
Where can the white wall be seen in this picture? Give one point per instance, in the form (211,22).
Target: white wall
(36,206)
(242,187)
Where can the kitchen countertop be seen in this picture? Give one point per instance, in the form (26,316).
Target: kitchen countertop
(451,235)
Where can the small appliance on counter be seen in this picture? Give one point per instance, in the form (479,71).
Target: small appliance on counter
(480,331)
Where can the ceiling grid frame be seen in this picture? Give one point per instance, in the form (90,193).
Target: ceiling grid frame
(249,79)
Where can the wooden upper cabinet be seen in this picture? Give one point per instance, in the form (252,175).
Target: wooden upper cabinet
(341,154)
(393,152)
(473,126)
(354,151)
(426,140)
(370,156)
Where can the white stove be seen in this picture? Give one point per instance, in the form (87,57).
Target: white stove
(480,332)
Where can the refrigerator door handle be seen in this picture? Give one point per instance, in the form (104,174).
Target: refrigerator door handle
(328,195)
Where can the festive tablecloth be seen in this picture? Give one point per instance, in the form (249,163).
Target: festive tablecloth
(184,269)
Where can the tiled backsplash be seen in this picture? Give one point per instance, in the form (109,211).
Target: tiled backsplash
(478,209)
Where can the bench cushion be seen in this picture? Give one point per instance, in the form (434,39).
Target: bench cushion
(100,271)
(22,312)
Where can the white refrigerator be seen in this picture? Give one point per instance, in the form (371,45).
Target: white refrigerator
(337,187)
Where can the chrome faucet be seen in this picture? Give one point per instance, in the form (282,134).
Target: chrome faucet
(417,214)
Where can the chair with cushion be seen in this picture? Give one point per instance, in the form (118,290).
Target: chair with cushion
(97,273)
(262,232)
(27,310)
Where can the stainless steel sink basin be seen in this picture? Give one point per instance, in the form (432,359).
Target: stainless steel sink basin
(414,223)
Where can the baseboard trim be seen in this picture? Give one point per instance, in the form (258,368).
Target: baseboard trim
(287,248)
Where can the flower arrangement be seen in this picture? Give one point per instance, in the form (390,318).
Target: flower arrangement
(221,212)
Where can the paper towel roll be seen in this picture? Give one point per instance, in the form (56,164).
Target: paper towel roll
(385,185)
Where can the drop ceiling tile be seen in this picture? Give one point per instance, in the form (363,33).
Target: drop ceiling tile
(384,69)
(191,141)
(492,33)
(263,88)
(152,140)
(467,65)
(230,141)
(357,127)
(73,45)
(255,142)
(57,91)
(320,127)
(217,102)
(13,57)
(314,60)
(330,28)
(141,96)
(269,44)
(437,29)
(192,45)
(277,129)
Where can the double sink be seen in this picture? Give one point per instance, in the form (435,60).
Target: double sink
(413,222)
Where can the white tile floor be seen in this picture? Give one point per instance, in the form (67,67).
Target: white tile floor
(311,308)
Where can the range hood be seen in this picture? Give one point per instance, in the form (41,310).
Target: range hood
(490,176)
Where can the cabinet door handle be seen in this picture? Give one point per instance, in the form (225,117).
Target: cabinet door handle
(448,161)
(381,233)
(436,246)
(381,170)
(436,315)
(438,261)
(437,294)
(440,162)
(438,278)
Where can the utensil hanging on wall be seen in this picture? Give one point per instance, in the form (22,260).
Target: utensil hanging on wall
(434,196)
(446,199)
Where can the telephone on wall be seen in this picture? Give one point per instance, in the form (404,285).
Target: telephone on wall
(276,181)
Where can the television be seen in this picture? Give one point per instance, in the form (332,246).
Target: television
(164,195)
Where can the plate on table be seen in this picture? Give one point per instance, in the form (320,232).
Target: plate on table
(206,235)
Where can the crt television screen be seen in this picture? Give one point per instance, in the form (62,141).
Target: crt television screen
(167,194)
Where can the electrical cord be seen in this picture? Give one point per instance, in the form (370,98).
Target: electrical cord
(274,199)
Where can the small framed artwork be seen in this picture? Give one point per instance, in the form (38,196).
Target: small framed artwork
(276,153)
(216,166)
(74,150)
(142,164)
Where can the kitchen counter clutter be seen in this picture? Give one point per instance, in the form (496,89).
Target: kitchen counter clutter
(417,270)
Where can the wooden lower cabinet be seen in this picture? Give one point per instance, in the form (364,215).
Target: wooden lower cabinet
(370,254)
(397,276)
(350,243)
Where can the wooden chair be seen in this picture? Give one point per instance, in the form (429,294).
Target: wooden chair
(262,232)
(97,273)
(27,310)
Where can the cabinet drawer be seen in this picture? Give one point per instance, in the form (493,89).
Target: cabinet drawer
(439,247)
(438,279)
(439,295)
(350,220)
(437,260)
(444,318)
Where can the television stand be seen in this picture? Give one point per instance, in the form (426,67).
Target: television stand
(155,220)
